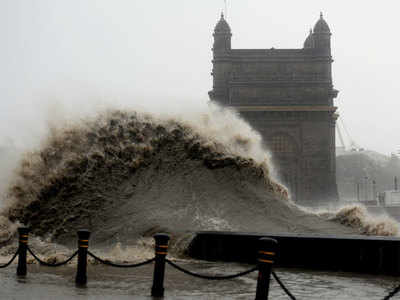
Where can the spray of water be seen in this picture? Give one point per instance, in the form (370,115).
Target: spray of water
(357,217)
(122,173)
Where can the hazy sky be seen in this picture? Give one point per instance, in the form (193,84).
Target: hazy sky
(59,53)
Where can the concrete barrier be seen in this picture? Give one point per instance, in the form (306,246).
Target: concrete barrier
(365,254)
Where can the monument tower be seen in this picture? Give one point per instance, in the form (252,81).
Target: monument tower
(287,95)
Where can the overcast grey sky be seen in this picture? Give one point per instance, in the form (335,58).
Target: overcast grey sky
(159,51)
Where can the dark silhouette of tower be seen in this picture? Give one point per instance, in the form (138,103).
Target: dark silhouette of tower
(322,37)
(287,95)
(222,36)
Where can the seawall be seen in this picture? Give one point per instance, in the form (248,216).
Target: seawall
(364,254)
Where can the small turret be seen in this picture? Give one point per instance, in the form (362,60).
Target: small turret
(321,26)
(309,42)
(222,36)
(322,36)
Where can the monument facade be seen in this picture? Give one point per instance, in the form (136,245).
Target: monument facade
(287,95)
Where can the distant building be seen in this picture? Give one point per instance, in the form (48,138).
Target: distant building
(287,95)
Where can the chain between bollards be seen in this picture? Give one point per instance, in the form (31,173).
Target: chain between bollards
(161,250)
(83,244)
(266,258)
(22,250)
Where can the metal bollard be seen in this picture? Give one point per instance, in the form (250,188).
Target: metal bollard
(266,257)
(22,249)
(161,249)
(83,244)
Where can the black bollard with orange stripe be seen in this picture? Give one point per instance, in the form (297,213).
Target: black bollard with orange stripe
(161,249)
(83,244)
(22,249)
(266,257)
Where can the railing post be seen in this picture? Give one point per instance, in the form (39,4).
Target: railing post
(266,257)
(22,249)
(83,244)
(161,249)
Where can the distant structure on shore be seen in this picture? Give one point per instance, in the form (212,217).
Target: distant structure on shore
(287,95)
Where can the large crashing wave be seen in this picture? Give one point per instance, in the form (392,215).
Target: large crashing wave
(125,174)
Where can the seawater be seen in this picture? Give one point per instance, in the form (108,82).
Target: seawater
(126,175)
(110,283)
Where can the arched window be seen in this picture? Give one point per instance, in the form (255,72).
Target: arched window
(282,144)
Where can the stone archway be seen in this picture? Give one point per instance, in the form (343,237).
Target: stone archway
(285,152)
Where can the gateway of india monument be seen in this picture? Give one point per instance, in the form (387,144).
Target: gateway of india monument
(287,95)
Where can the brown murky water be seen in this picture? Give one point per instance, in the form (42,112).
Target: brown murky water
(111,283)
(126,175)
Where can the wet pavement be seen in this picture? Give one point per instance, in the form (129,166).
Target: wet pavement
(110,283)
